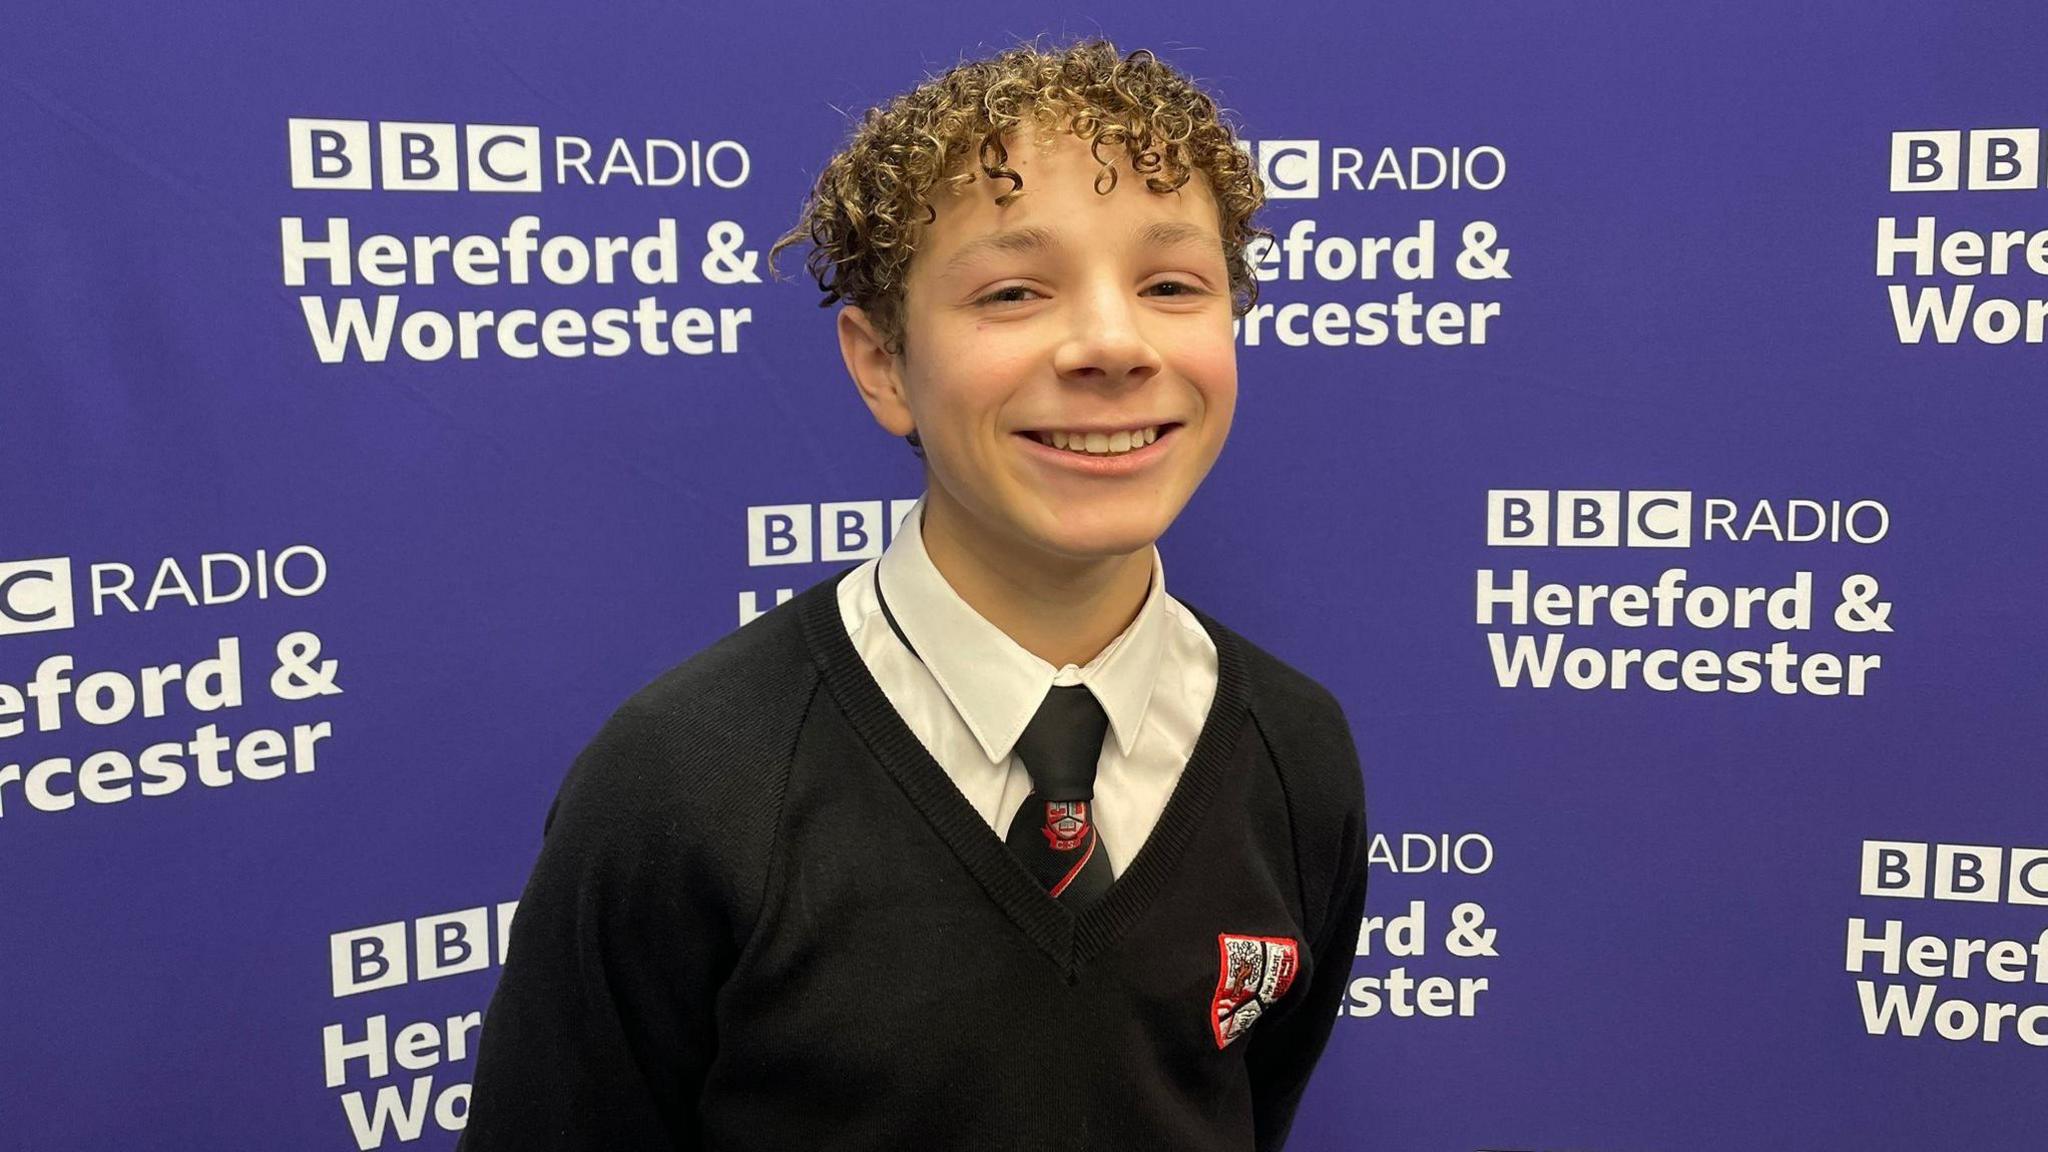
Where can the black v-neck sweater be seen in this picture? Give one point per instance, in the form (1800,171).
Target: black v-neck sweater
(764,920)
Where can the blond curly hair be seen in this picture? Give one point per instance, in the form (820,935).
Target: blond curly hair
(863,216)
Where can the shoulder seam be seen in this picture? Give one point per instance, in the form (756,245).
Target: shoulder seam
(1308,911)
(775,879)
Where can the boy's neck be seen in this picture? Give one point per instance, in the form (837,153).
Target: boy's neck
(1059,609)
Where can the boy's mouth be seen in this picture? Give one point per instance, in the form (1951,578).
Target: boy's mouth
(1102,443)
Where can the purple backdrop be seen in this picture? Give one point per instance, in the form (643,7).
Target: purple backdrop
(1676,915)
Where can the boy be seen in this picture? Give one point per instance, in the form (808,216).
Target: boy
(840,880)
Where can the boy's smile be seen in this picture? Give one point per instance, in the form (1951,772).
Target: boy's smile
(1068,362)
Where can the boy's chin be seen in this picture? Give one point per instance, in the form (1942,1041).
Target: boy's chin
(1103,534)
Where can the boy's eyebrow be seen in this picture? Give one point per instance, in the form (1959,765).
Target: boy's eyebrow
(1173,233)
(1033,239)
(1159,234)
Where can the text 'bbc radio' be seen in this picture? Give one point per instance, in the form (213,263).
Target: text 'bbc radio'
(39,595)
(1664,518)
(1305,169)
(417,156)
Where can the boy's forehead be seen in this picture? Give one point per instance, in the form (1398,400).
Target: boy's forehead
(1059,169)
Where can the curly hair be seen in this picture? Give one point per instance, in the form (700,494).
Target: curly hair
(863,216)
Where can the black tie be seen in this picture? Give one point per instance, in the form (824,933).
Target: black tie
(1054,832)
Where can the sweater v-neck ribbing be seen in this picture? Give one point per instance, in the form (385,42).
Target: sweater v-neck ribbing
(1071,941)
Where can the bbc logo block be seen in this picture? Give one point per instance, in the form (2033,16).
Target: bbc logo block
(810,533)
(414,156)
(1291,169)
(1978,873)
(35,595)
(1588,518)
(407,951)
(1983,159)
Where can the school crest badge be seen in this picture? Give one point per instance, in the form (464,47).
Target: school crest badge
(1254,973)
(1066,823)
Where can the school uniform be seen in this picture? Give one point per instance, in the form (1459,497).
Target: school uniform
(774,906)
(967,690)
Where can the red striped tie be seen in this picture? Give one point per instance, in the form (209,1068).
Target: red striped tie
(1054,831)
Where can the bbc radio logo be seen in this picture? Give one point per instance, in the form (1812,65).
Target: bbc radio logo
(1295,169)
(417,156)
(1980,873)
(1588,518)
(1990,159)
(35,595)
(407,951)
(412,156)
(813,533)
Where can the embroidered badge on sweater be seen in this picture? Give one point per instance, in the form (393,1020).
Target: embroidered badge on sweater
(1255,971)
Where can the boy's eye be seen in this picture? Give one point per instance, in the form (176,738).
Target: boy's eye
(1017,293)
(1002,295)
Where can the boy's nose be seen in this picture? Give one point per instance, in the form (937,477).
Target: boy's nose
(1106,340)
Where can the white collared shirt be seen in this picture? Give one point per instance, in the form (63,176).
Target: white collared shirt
(975,689)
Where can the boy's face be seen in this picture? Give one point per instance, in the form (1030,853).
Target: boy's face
(1068,311)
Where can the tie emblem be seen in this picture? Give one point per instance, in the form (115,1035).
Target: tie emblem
(1066,824)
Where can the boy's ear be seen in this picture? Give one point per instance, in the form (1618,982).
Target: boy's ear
(875,371)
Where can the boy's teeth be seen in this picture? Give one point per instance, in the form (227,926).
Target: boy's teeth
(1101,443)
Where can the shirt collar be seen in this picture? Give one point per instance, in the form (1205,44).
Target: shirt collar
(993,682)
